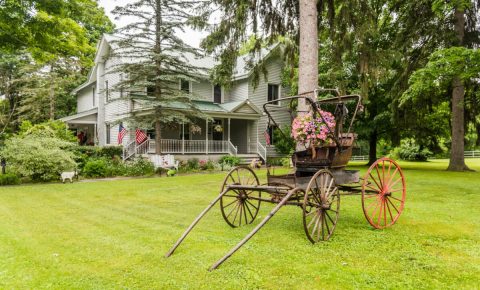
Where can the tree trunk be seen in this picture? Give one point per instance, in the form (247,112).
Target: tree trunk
(457,159)
(51,98)
(477,126)
(372,151)
(158,67)
(308,59)
(158,137)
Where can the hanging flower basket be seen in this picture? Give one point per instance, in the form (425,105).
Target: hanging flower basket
(195,129)
(218,128)
(313,132)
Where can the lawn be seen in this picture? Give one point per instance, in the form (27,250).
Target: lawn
(114,234)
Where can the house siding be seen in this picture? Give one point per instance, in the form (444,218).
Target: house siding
(238,92)
(116,107)
(259,95)
(85,99)
(202,90)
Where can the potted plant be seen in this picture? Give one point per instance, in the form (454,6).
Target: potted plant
(313,131)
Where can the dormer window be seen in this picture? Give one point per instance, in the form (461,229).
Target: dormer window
(185,86)
(217,94)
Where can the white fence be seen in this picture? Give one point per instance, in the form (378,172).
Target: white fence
(472,154)
(467,154)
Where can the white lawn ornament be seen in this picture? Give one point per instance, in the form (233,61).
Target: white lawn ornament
(68,175)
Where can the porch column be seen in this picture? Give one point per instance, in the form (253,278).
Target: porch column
(183,138)
(100,91)
(228,129)
(95,135)
(206,136)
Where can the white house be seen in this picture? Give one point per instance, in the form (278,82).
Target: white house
(238,124)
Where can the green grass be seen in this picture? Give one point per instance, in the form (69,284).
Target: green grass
(114,234)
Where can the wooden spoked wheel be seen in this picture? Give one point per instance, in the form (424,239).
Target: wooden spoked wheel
(383,193)
(321,206)
(240,206)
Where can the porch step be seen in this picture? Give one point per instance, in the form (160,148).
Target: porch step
(246,159)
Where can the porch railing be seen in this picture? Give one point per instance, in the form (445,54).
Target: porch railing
(262,151)
(143,148)
(174,146)
(232,148)
(129,150)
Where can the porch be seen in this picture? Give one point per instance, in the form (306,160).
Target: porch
(84,125)
(205,137)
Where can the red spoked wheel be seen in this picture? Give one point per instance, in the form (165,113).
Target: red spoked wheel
(383,193)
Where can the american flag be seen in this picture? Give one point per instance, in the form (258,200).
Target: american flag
(121,133)
(140,136)
(267,137)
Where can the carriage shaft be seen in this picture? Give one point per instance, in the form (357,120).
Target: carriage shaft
(189,229)
(255,230)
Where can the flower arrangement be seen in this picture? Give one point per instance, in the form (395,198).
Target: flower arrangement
(218,128)
(195,129)
(313,132)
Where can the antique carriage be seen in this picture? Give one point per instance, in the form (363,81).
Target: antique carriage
(318,181)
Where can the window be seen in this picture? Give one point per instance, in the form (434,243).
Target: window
(270,130)
(107,93)
(108,133)
(185,86)
(273,93)
(93,96)
(217,94)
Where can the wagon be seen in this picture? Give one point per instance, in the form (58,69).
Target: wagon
(318,181)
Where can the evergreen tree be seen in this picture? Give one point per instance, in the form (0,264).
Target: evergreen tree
(160,61)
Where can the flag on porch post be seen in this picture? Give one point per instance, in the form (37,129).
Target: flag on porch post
(121,133)
(140,136)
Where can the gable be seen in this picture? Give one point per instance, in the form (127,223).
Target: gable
(245,109)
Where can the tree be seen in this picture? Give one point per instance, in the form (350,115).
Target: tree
(46,48)
(161,61)
(452,67)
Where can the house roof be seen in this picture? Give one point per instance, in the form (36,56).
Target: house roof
(240,71)
(79,116)
(245,108)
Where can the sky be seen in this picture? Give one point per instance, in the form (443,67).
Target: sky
(191,37)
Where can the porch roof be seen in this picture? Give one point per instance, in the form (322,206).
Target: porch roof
(238,109)
(85,117)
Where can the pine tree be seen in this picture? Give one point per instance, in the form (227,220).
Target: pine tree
(159,61)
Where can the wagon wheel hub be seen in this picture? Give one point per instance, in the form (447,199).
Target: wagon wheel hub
(326,205)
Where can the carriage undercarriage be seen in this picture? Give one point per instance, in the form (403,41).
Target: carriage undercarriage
(315,186)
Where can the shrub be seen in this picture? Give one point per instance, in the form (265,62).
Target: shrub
(409,150)
(206,165)
(95,168)
(229,160)
(284,144)
(192,164)
(139,167)
(9,179)
(110,151)
(56,129)
(41,158)
(275,161)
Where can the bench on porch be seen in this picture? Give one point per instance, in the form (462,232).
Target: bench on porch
(164,161)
